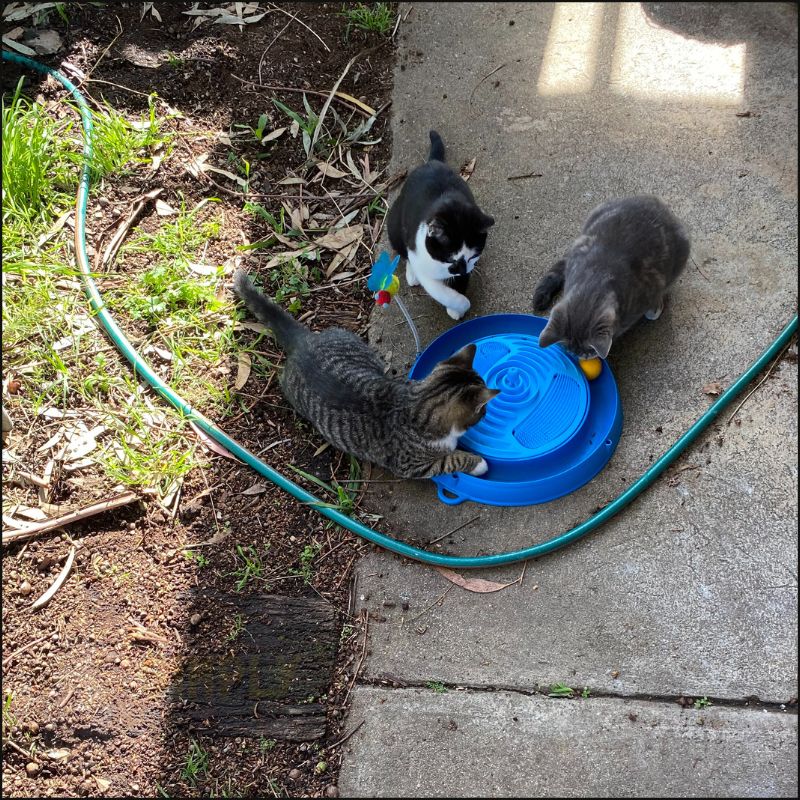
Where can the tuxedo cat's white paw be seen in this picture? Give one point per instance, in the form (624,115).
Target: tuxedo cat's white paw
(481,468)
(459,311)
(411,278)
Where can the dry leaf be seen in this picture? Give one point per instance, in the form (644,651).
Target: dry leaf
(342,275)
(20,48)
(321,449)
(211,444)
(45,43)
(164,209)
(57,226)
(273,135)
(241,181)
(141,57)
(714,388)
(336,240)
(467,169)
(243,370)
(329,171)
(256,488)
(203,269)
(196,165)
(290,181)
(258,327)
(473,584)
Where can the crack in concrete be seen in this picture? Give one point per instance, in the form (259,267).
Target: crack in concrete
(391,682)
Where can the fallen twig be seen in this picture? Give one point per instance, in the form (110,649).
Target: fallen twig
(345,737)
(46,525)
(463,525)
(526,175)
(768,373)
(135,212)
(298,20)
(488,75)
(435,602)
(57,583)
(9,659)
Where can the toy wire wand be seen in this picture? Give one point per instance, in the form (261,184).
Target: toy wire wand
(383,284)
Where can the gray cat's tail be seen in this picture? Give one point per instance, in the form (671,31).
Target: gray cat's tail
(288,331)
(437,147)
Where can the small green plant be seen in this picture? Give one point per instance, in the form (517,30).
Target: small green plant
(585,692)
(196,763)
(250,566)
(9,720)
(236,628)
(307,124)
(437,686)
(197,557)
(265,745)
(375,17)
(347,632)
(702,702)
(561,690)
(307,556)
(344,497)
(175,61)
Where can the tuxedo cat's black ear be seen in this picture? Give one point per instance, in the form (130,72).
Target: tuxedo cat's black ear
(436,229)
(486,222)
(554,330)
(464,357)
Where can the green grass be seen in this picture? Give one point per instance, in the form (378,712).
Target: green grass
(437,686)
(236,629)
(373,17)
(265,745)
(9,720)
(343,497)
(49,341)
(307,556)
(196,765)
(561,690)
(249,566)
(585,692)
(702,702)
(307,124)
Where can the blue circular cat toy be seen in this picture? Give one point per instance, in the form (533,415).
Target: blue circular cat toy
(548,432)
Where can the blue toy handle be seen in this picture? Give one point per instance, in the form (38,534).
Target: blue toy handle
(451,498)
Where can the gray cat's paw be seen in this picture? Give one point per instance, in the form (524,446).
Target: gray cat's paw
(654,314)
(481,468)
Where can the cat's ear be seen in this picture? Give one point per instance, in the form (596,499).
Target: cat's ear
(485,222)
(603,334)
(436,229)
(554,330)
(486,395)
(602,344)
(464,357)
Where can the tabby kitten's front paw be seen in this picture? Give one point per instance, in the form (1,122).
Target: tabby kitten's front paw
(481,468)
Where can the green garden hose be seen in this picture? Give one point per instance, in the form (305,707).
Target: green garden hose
(143,369)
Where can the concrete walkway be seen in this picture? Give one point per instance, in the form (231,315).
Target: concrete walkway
(692,591)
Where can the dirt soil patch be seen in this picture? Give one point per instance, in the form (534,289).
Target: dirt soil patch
(91,677)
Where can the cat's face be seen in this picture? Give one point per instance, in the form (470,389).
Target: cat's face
(587,332)
(461,392)
(456,235)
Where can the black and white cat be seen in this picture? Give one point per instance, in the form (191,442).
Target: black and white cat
(436,225)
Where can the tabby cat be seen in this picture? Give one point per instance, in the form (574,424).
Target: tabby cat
(338,383)
(617,271)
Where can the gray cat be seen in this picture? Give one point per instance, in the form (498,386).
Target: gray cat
(617,271)
(338,383)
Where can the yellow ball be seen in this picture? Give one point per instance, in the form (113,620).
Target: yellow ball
(393,286)
(591,367)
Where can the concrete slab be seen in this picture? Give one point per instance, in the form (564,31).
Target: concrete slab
(694,588)
(415,743)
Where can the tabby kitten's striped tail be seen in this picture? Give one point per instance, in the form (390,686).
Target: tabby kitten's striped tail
(288,331)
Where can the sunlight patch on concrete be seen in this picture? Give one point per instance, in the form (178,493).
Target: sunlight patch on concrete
(659,64)
(570,56)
